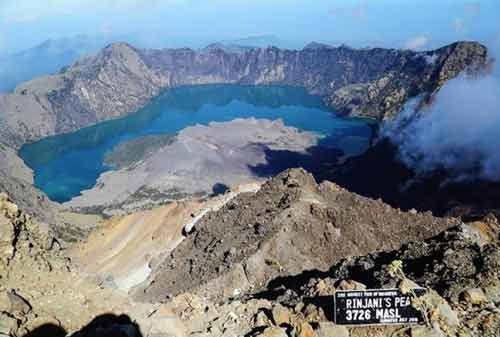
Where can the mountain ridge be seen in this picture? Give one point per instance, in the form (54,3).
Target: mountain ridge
(120,79)
(290,225)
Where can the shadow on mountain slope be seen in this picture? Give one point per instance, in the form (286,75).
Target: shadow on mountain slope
(47,330)
(106,325)
(318,160)
(378,174)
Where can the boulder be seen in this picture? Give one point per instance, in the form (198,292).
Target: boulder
(304,329)
(493,293)
(441,310)
(324,288)
(273,332)
(447,315)
(8,325)
(4,301)
(261,319)
(406,285)
(350,285)
(329,329)
(475,296)
(19,307)
(281,315)
(314,313)
(423,331)
(7,236)
(9,209)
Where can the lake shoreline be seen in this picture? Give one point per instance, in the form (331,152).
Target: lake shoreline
(60,172)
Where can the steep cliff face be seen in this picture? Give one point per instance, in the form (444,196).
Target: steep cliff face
(121,79)
(405,76)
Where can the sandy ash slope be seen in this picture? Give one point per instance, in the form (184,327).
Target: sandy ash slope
(125,248)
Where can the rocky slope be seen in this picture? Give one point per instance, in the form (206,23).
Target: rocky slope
(291,225)
(121,79)
(298,235)
(17,179)
(42,294)
(458,267)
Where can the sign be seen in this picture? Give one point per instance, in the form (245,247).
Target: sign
(376,306)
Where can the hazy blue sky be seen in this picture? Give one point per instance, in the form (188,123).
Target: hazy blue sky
(415,23)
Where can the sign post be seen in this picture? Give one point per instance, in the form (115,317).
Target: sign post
(376,307)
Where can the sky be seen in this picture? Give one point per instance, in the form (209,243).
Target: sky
(415,24)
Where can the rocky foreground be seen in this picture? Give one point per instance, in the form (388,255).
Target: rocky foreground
(260,263)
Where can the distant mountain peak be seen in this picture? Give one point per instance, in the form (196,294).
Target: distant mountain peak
(318,45)
(230,48)
(49,57)
(115,46)
(264,41)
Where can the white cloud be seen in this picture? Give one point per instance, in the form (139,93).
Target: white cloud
(417,42)
(459,132)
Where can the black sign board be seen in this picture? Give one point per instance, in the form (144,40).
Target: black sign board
(376,306)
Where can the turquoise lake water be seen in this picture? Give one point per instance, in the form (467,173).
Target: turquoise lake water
(65,165)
